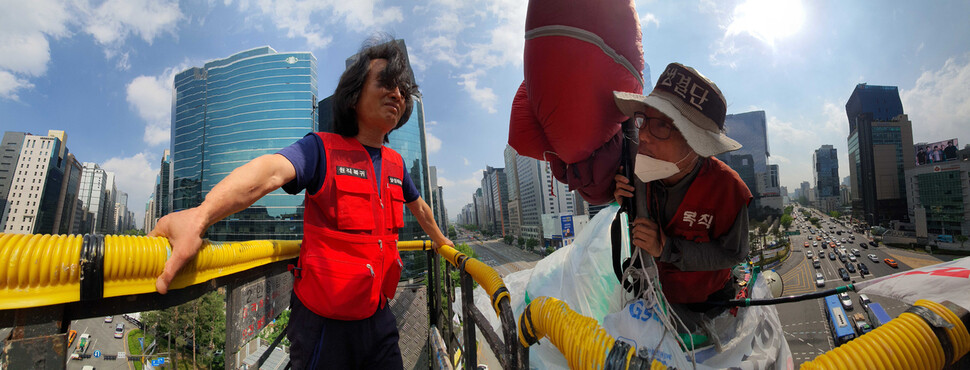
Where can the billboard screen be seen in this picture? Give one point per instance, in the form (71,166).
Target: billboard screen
(940,151)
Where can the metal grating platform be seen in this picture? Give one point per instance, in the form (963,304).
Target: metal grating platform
(410,307)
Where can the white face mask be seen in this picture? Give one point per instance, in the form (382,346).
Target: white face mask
(648,168)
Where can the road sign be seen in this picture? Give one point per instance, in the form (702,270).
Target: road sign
(121,355)
(141,341)
(97,353)
(158,361)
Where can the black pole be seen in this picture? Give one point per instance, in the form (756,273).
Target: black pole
(468,322)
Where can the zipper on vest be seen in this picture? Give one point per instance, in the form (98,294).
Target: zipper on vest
(380,244)
(371,270)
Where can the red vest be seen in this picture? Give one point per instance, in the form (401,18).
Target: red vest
(349,257)
(708,211)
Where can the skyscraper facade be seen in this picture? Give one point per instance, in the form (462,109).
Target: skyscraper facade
(163,190)
(93,196)
(825,173)
(512,180)
(36,185)
(497,194)
(881,149)
(9,156)
(939,197)
(751,161)
(229,112)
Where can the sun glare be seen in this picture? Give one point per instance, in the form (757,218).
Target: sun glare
(767,20)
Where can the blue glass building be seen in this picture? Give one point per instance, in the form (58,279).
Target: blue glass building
(231,111)
(751,161)
(880,147)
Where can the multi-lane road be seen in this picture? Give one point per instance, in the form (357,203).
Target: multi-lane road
(804,323)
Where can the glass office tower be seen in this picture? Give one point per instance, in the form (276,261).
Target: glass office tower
(880,147)
(231,111)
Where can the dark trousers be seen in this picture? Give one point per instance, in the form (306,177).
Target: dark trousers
(317,342)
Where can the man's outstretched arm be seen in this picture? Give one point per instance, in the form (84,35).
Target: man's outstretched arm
(243,187)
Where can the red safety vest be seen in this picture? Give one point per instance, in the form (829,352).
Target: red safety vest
(349,257)
(708,211)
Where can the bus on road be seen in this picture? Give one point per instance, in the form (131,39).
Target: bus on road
(842,330)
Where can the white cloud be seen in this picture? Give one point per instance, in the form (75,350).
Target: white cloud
(151,98)
(10,84)
(647,19)
(134,175)
(939,102)
(753,25)
(466,161)
(26,28)
(294,16)
(484,96)
(434,143)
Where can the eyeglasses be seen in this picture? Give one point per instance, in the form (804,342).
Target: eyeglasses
(657,127)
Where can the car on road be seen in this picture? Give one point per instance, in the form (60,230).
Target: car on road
(819,279)
(816,264)
(842,257)
(843,274)
(109,318)
(846,301)
(850,267)
(861,326)
(856,252)
(873,258)
(864,300)
(809,254)
(864,245)
(814,244)
(873,244)
(891,262)
(863,268)
(832,256)
(120,331)
(852,258)
(806,244)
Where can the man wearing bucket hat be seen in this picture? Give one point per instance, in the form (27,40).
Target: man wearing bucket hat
(698,206)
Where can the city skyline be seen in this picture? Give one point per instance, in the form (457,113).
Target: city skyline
(103,74)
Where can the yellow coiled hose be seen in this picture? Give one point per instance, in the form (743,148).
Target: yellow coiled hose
(584,343)
(906,342)
(483,274)
(39,270)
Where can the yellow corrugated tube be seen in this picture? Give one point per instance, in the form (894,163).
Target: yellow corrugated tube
(39,270)
(483,274)
(906,342)
(414,245)
(584,343)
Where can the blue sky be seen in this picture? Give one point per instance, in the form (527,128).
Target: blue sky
(102,71)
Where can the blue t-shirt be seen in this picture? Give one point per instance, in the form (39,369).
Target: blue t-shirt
(308,158)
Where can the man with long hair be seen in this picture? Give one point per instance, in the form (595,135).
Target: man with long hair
(356,188)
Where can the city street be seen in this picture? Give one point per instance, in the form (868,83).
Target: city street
(804,323)
(504,258)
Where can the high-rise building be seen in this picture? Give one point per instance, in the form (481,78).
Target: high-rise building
(149,222)
(36,184)
(230,111)
(540,193)
(67,220)
(512,179)
(163,186)
(9,156)
(825,173)
(438,201)
(495,192)
(93,196)
(751,161)
(939,198)
(880,151)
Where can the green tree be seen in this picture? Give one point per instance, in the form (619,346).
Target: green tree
(522,242)
(134,232)
(532,243)
(814,221)
(786,221)
(452,233)
(509,239)
(835,214)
